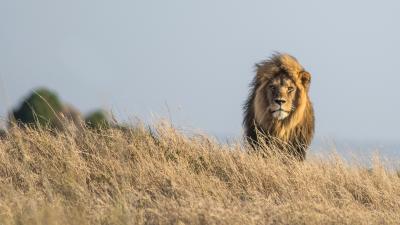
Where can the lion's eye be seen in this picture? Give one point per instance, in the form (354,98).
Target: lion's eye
(290,89)
(272,87)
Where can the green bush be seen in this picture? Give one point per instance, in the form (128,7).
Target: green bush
(41,108)
(98,120)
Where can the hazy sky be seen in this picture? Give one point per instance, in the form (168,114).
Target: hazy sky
(197,57)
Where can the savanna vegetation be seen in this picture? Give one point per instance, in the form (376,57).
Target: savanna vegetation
(160,176)
(74,174)
(43,108)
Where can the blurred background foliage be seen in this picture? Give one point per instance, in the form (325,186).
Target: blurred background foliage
(40,108)
(98,120)
(43,108)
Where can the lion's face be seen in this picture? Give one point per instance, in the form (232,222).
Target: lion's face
(278,105)
(280,94)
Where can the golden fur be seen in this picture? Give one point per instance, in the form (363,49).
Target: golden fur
(279,106)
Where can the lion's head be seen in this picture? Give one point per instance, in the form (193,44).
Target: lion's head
(282,82)
(278,104)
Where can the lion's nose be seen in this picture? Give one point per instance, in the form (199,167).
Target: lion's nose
(280,101)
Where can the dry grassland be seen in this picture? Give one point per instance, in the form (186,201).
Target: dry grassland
(164,177)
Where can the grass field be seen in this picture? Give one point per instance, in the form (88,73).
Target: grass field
(164,177)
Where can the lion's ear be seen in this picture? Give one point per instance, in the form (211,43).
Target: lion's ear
(305,78)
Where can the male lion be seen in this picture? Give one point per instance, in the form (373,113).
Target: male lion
(278,109)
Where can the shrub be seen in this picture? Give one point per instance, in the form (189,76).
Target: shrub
(42,108)
(98,120)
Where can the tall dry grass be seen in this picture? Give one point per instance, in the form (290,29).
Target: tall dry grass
(164,177)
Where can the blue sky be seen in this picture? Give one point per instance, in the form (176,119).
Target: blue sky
(196,58)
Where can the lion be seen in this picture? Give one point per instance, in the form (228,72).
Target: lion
(278,108)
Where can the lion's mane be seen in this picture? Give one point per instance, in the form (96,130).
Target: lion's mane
(298,128)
